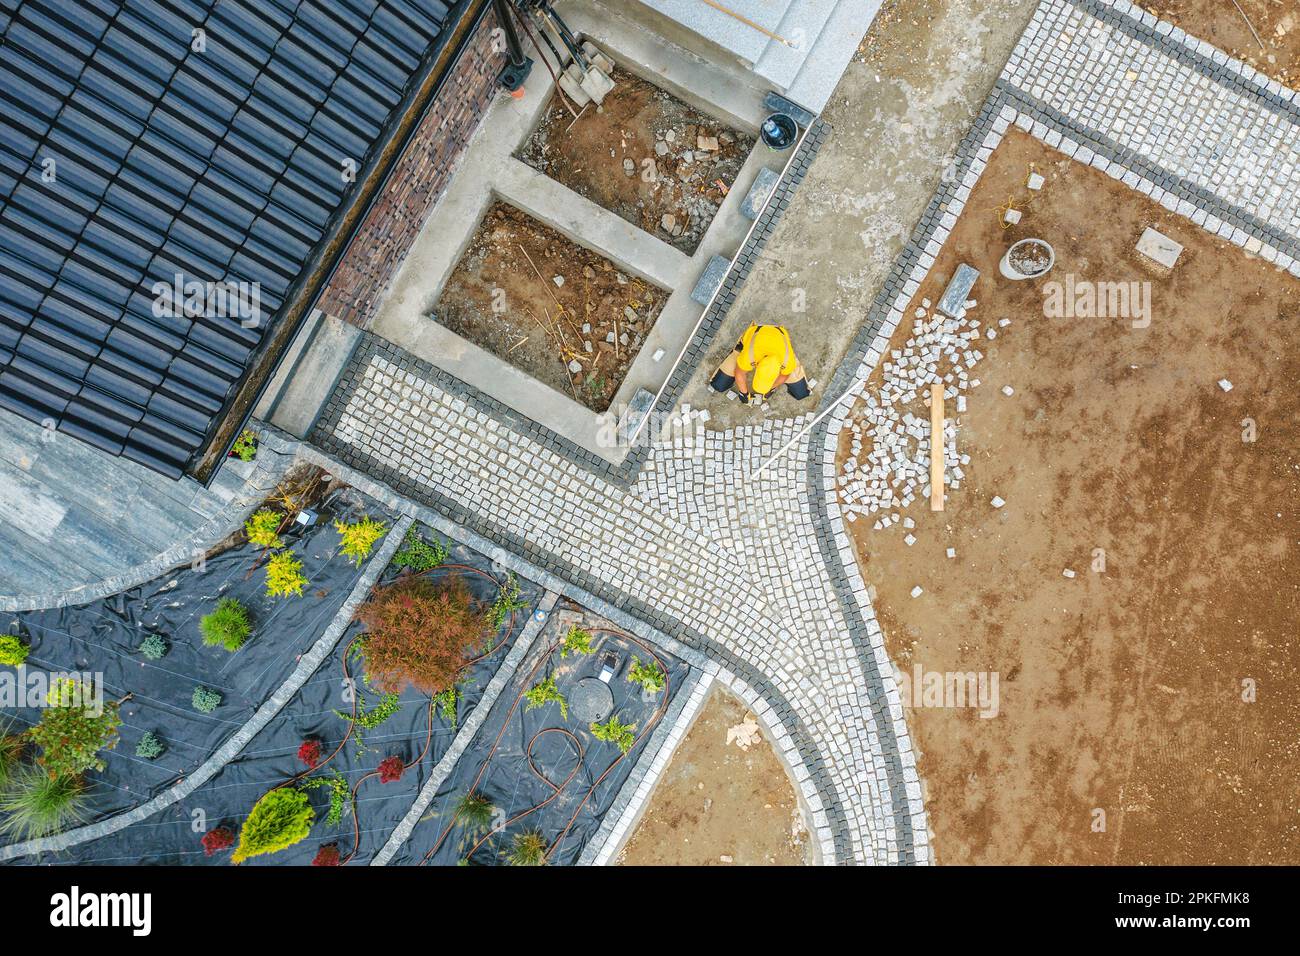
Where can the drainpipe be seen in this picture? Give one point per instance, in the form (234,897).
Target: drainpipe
(515,72)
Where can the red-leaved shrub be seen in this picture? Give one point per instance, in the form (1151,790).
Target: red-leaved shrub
(221,838)
(328,855)
(421,633)
(391,769)
(309,752)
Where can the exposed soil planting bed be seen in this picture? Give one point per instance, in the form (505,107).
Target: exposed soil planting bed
(724,800)
(1276,23)
(578,335)
(644,155)
(1124,542)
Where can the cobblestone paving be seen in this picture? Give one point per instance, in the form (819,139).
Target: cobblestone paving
(756,571)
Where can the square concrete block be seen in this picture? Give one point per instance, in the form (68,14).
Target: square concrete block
(710,280)
(1159,247)
(756,198)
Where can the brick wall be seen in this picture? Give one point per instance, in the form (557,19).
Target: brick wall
(419,179)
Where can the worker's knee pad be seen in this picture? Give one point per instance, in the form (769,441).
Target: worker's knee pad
(799,390)
(721,381)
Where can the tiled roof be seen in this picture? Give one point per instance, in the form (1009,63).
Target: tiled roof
(133,150)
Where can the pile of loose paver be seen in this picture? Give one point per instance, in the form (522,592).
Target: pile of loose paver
(888,465)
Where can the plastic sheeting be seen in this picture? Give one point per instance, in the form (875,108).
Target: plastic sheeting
(271,758)
(519,757)
(103,638)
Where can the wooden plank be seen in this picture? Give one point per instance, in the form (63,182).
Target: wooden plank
(936,447)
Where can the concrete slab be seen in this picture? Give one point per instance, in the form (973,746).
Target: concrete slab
(710,279)
(756,198)
(1159,247)
(311,370)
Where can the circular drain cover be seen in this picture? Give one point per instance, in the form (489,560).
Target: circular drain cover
(592,700)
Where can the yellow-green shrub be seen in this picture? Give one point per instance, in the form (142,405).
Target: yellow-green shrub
(279,820)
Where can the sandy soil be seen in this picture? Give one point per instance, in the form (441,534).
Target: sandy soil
(719,805)
(1123,688)
(1277,23)
(645,156)
(502,295)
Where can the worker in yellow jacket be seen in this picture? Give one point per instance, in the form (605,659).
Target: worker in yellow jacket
(764,359)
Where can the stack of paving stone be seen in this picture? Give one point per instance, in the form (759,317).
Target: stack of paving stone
(889,462)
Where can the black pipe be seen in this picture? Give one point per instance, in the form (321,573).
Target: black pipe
(516,71)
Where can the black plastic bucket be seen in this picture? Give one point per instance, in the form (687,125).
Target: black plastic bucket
(779,132)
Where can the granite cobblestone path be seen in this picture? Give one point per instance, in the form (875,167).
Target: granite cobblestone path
(758,573)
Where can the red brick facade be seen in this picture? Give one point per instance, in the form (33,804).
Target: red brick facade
(418,181)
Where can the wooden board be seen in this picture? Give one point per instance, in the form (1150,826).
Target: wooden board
(936,447)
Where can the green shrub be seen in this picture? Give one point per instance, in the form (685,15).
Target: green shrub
(263,528)
(284,575)
(13,652)
(418,554)
(475,811)
(11,751)
(73,729)
(154,647)
(279,820)
(226,626)
(614,732)
(506,603)
(528,849)
(149,746)
(649,675)
(245,447)
(37,804)
(541,694)
(205,700)
(359,537)
(340,794)
(577,641)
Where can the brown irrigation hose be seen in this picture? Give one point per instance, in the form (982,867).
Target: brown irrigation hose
(656,717)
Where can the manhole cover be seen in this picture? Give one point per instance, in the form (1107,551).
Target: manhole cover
(592,700)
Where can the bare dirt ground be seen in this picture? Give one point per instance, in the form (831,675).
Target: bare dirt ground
(644,155)
(1157,685)
(718,804)
(503,296)
(1276,52)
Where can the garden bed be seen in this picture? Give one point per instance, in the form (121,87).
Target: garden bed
(110,638)
(578,335)
(417,733)
(1220,22)
(535,782)
(645,156)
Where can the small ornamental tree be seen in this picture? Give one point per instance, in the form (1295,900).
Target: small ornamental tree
(149,747)
(420,633)
(280,819)
(528,849)
(284,575)
(542,693)
(614,732)
(75,728)
(13,652)
(328,855)
(309,753)
(391,769)
(263,528)
(359,537)
(226,625)
(577,641)
(417,554)
(649,675)
(221,838)
(154,647)
(205,700)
